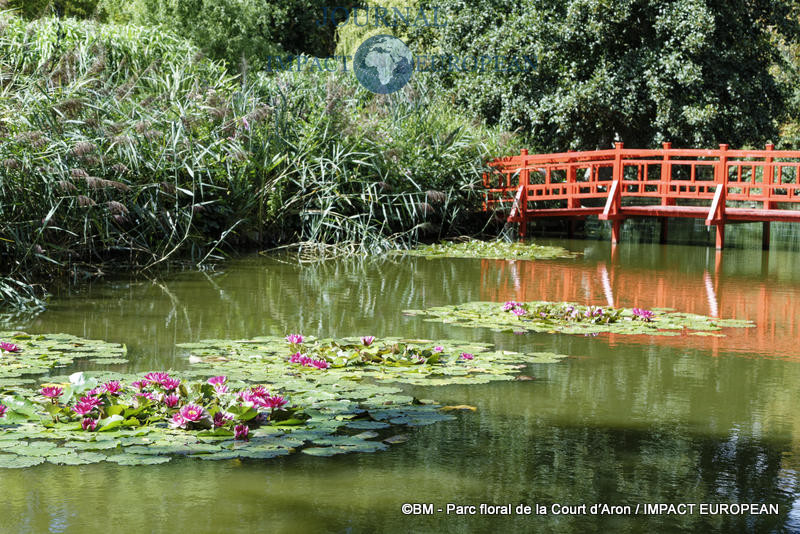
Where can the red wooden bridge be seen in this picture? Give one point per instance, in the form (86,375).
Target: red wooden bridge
(718,185)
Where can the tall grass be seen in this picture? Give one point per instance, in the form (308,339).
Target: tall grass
(125,148)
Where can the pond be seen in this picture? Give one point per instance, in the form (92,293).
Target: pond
(625,420)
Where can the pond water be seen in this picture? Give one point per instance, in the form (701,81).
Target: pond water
(625,420)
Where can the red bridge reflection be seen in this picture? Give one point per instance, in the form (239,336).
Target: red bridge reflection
(774,307)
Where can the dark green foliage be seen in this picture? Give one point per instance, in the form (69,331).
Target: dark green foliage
(643,72)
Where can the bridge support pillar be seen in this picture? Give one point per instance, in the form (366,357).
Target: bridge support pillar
(720,236)
(616,230)
(664,227)
(765,235)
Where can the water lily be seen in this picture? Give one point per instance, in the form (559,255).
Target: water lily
(8,347)
(220,418)
(259,391)
(140,384)
(89,424)
(241,432)
(275,401)
(320,364)
(90,401)
(156,378)
(171,400)
(51,392)
(644,315)
(94,392)
(295,358)
(294,339)
(467,356)
(3,410)
(519,312)
(112,387)
(170,383)
(367,340)
(438,348)
(145,395)
(510,305)
(82,408)
(192,412)
(217,380)
(221,389)
(177,421)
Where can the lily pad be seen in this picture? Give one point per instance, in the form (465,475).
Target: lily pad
(504,250)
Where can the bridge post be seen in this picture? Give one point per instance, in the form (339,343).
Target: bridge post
(524,181)
(615,197)
(722,193)
(768,180)
(666,177)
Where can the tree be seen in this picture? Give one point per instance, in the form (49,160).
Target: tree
(693,72)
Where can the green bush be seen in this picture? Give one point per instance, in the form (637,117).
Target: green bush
(643,72)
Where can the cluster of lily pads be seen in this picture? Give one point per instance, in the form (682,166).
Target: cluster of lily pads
(24,354)
(517,250)
(571,318)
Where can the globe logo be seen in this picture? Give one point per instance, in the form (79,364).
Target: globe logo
(383,64)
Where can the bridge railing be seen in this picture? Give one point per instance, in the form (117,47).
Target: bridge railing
(596,182)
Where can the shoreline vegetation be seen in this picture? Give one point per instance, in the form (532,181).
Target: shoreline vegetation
(127,149)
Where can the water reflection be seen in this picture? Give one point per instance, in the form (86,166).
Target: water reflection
(625,420)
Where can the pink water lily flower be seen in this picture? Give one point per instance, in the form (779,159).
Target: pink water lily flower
(51,392)
(112,387)
(91,401)
(177,421)
(221,389)
(438,348)
(259,391)
(156,378)
(320,364)
(82,408)
(192,412)
(3,410)
(8,347)
(145,395)
(170,383)
(89,424)
(140,384)
(214,380)
(510,305)
(275,401)
(295,358)
(367,340)
(467,356)
(294,339)
(220,418)
(519,312)
(644,315)
(241,432)
(171,400)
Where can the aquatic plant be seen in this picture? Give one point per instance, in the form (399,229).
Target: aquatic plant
(51,392)
(367,340)
(8,347)
(571,318)
(504,250)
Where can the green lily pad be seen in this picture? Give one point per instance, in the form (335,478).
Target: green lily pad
(137,459)
(12,461)
(77,459)
(505,250)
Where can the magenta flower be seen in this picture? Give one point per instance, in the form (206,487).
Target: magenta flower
(113,387)
(320,364)
(220,418)
(82,408)
(94,392)
(178,421)
(510,305)
(367,340)
(221,389)
(8,347)
(295,358)
(598,312)
(259,391)
(438,348)
(275,401)
(519,312)
(217,380)
(156,378)
(192,412)
(294,339)
(467,356)
(51,392)
(140,384)
(3,410)
(89,424)
(90,401)
(644,315)
(241,432)
(170,383)
(171,400)
(145,395)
